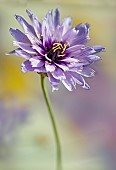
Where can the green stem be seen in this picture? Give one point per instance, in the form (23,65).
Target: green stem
(59,160)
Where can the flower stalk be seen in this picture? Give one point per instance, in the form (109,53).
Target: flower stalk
(58,146)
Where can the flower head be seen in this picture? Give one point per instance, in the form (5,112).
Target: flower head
(56,49)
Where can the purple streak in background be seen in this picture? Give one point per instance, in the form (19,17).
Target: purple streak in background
(11,117)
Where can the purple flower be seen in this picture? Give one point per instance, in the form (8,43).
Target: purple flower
(56,49)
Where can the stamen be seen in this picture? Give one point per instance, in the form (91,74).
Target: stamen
(65,45)
(61,55)
(57,46)
(55,49)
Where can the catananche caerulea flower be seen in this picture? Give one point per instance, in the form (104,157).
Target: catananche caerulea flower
(56,49)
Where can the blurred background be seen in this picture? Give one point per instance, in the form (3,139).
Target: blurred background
(86,118)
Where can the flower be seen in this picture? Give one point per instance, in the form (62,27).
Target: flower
(56,49)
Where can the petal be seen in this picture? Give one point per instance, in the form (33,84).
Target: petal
(69,82)
(62,66)
(72,78)
(38,49)
(49,67)
(70,35)
(25,47)
(69,60)
(74,48)
(86,86)
(21,53)
(54,82)
(83,29)
(46,33)
(40,69)
(87,72)
(56,18)
(35,62)
(57,36)
(27,67)
(49,20)
(35,22)
(67,24)
(92,50)
(80,80)
(93,58)
(19,36)
(25,24)
(76,66)
(29,30)
(98,49)
(82,36)
(58,74)
(47,28)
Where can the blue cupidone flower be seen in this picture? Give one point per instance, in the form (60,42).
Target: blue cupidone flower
(56,49)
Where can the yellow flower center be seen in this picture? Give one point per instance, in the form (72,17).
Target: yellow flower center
(61,48)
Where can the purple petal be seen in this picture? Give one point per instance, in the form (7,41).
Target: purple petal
(38,49)
(21,53)
(83,29)
(29,30)
(35,21)
(82,36)
(69,60)
(86,86)
(47,28)
(33,39)
(57,36)
(62,66)
(70,35)
(74,48)
(56,18)
(35,62)
(25,47)
(27,67)
(49,67)
(93,58)
(79,80)
(98,49)
(80,40)
(58,74)
(87,72)
(40,69)
(45,32)
(19,36)
(69,82)
(54,82)
(67,24)
(92,50)
(49,20)
(76,66)
(25,24)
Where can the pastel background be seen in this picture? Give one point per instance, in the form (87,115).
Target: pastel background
(86,118)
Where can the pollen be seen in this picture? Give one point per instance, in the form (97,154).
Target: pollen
(61,55)
(57,46)
(61,48)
